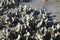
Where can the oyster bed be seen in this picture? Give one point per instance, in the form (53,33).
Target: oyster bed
(21,22)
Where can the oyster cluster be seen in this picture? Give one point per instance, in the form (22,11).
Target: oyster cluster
(21,22)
